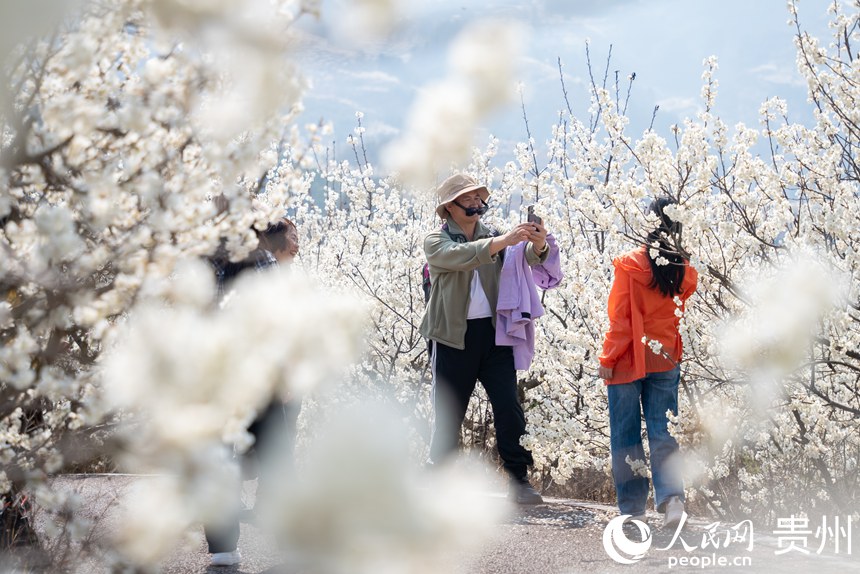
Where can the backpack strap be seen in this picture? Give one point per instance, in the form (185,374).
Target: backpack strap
(425,271)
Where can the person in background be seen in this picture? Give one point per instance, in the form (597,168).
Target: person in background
(274,427)
(640,365)
(465,261)
(281,239)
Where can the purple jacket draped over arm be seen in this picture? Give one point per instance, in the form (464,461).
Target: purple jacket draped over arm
(519,303)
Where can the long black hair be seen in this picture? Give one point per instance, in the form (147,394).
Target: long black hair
(667,278)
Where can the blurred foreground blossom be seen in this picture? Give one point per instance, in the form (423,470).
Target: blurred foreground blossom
(159,510)
(363,21)
(772,337)
(705,433)
(248,43)
(357,504)
(192,376)
(442,121)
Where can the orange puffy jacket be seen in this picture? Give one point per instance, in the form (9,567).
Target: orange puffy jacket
(636,311)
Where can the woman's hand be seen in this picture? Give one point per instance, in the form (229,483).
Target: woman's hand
(604,372)
(537,235)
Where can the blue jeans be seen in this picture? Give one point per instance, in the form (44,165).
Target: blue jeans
(657,393)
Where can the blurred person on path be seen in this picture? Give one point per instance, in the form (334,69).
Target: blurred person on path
(465,260)
(640,366)
(274,427)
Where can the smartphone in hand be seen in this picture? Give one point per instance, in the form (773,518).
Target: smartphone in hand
(532,218)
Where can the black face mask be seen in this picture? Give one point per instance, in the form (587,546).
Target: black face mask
(470,211)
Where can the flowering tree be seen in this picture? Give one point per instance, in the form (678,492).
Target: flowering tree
(769,400)
(108,169)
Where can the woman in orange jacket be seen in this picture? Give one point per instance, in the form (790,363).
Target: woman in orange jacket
(640,365)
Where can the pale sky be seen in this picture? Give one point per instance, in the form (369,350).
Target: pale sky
(663,41)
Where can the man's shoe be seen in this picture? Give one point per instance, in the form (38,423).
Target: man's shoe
(640,517)
(225,558)
(524,493)
(673,512)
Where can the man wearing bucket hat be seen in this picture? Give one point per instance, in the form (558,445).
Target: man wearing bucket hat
(465,261)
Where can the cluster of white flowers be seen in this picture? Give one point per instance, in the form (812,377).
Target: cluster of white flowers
(639,467)
(654,345)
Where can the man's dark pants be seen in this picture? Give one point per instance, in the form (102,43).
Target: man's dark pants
(455,373)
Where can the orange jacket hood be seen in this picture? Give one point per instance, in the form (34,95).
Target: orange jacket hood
(635,263)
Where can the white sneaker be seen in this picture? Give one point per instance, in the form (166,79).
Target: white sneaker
(225,558)
(673,512)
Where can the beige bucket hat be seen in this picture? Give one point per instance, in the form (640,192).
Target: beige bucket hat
(454,187)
